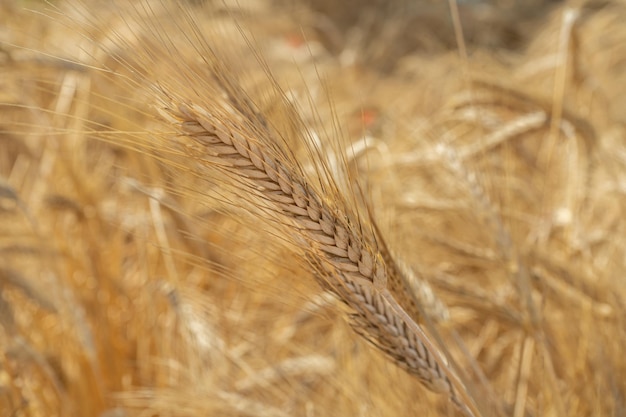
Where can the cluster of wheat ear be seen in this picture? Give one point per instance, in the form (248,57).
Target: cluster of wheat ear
(189,158)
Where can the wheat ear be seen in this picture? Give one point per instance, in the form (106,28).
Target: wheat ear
(351,262)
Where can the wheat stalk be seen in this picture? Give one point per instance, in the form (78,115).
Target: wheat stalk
(348,258)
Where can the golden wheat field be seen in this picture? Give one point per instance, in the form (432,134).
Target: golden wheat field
(312,208)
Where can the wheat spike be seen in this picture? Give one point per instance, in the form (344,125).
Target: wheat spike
(350,261)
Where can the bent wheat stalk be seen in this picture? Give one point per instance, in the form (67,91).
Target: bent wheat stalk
(349,258)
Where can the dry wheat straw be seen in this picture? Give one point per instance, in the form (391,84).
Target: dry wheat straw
(349,257)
